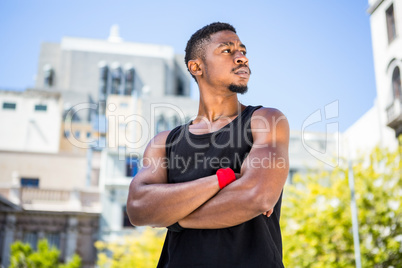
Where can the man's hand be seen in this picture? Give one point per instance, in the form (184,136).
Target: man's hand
(266,213)
(269,212)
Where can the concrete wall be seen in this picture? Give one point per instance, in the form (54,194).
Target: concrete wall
(25,129)
(75,137)
(50,54)
(54,171)
(386,56)
(76,65)
(366,133)
(371,129)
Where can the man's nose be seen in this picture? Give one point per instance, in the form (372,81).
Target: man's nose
(240,58)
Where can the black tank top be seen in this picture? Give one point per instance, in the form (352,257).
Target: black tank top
(255,243)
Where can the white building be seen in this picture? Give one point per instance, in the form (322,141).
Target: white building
(45,191)
(116,96)
(30,121)
(45,195)
(383,121)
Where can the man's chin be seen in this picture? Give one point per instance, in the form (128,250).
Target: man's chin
(238,88)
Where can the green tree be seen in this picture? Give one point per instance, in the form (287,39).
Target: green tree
(316,215)
(23,256)
(140,250)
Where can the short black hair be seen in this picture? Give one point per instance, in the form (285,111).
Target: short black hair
(196,44)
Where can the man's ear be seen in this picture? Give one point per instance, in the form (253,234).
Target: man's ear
(195,67)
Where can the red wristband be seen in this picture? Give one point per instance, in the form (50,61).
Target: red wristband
(225,177)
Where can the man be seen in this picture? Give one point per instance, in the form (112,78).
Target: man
(216,182)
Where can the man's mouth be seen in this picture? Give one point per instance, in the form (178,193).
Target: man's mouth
(243,72)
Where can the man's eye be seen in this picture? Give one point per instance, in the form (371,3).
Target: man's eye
(244,52)
(226,51)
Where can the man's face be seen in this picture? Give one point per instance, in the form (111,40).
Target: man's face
(225,63)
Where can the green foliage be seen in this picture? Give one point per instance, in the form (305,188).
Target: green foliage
(316,221)
(23,256)
(141,250)
(75,262)
(19,255)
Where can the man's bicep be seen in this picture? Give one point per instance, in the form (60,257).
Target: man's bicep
(154,162)
(267,164)
(270,131)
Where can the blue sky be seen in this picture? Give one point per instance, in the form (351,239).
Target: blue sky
(303,54)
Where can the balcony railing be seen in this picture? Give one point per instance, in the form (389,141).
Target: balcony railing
(32,195)
(394,116)
(53,199)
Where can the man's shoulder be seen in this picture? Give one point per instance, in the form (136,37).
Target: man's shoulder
(165,138)
(268,119)
(159,140)
(267,116)
(268,112)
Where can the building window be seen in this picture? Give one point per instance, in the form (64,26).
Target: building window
(131,166)
(390,23)
(31,238)
(126,220)
(129,82)
(41,107)
(103,73)
(103,86)
(175,121)
(396,84)
(116,80)
(53,239)
(88,135)
(161,124)
(30,182)
(71,113)
(9,106)
(291,174)
(180,87)
(48,75)
(66,134)
(77,134)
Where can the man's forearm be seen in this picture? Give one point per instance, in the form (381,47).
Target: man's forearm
(231,206)
(161,205)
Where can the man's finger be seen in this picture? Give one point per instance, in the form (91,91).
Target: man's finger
(269,213)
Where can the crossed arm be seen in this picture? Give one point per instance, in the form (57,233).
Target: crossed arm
(200,203)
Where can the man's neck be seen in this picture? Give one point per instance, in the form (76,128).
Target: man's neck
(213,107)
